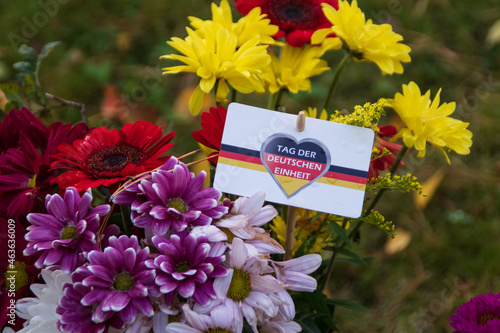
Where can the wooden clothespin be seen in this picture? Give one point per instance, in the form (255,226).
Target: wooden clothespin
(301,121)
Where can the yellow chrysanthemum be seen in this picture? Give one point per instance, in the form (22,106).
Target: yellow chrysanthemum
(365,40)
(303,231)
(427,121)
(216,57)
(249,26)
(217,53)
(313,113)
(296,66)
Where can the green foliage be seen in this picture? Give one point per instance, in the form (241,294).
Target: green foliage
(28,91)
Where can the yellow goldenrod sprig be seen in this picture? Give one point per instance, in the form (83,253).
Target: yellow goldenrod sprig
(406,183)
(379,221)
(367,115)
(376,153)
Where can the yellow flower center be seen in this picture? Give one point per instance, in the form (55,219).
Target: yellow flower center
(68,233)
(240,286)
(17,275)
(487,317)
(229,234)
(182,267)
(178,204)
(32,182)
(218,330)
(124,281)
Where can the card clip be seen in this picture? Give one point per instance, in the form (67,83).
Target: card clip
(301,121)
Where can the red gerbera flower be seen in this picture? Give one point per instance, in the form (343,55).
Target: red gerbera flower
(297,19)
(212,124)
(106,157)
(384,162)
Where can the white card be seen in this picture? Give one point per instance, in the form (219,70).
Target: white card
(323,168)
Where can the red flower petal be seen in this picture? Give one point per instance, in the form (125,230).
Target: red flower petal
(106,157)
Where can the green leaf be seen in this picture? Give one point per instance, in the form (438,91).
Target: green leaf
(27,50)
(13,93)
(309,327)
(354,261)
(46,50)
(347,304)
(24,67)
(334,228)
(306,246)
(30,86)
(10,105)
(20,78)
(345,252)
(321,306)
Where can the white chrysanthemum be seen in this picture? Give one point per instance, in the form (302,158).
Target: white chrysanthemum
(245,288)
(40,311)
(245,220)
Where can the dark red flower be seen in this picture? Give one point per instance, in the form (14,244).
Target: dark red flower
(21,121)
(384,162)
(106,157)
(25,160)
(212,124)
(297,19)
(24,179)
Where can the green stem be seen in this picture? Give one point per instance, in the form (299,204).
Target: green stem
(336,76)
(355,229)
(395,166)
(232,98)
(291,220)
(275,100)
(127,222)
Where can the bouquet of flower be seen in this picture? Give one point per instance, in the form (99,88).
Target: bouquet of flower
(121,237)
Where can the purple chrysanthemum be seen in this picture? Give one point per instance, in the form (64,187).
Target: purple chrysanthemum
(187,266)
(68,230)
(479,315)
(121,283)
(172,198)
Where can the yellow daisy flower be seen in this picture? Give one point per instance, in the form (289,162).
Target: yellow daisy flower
(365,40)
(303,231)
(296,66)
(249,26)
(218,55)
(427,121)
(313,113)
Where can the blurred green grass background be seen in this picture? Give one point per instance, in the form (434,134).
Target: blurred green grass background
(454,241)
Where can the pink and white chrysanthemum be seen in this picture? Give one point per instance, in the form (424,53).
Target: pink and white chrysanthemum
(245,219)
(222,318)
(283,321)
(251,292)
(293,273)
